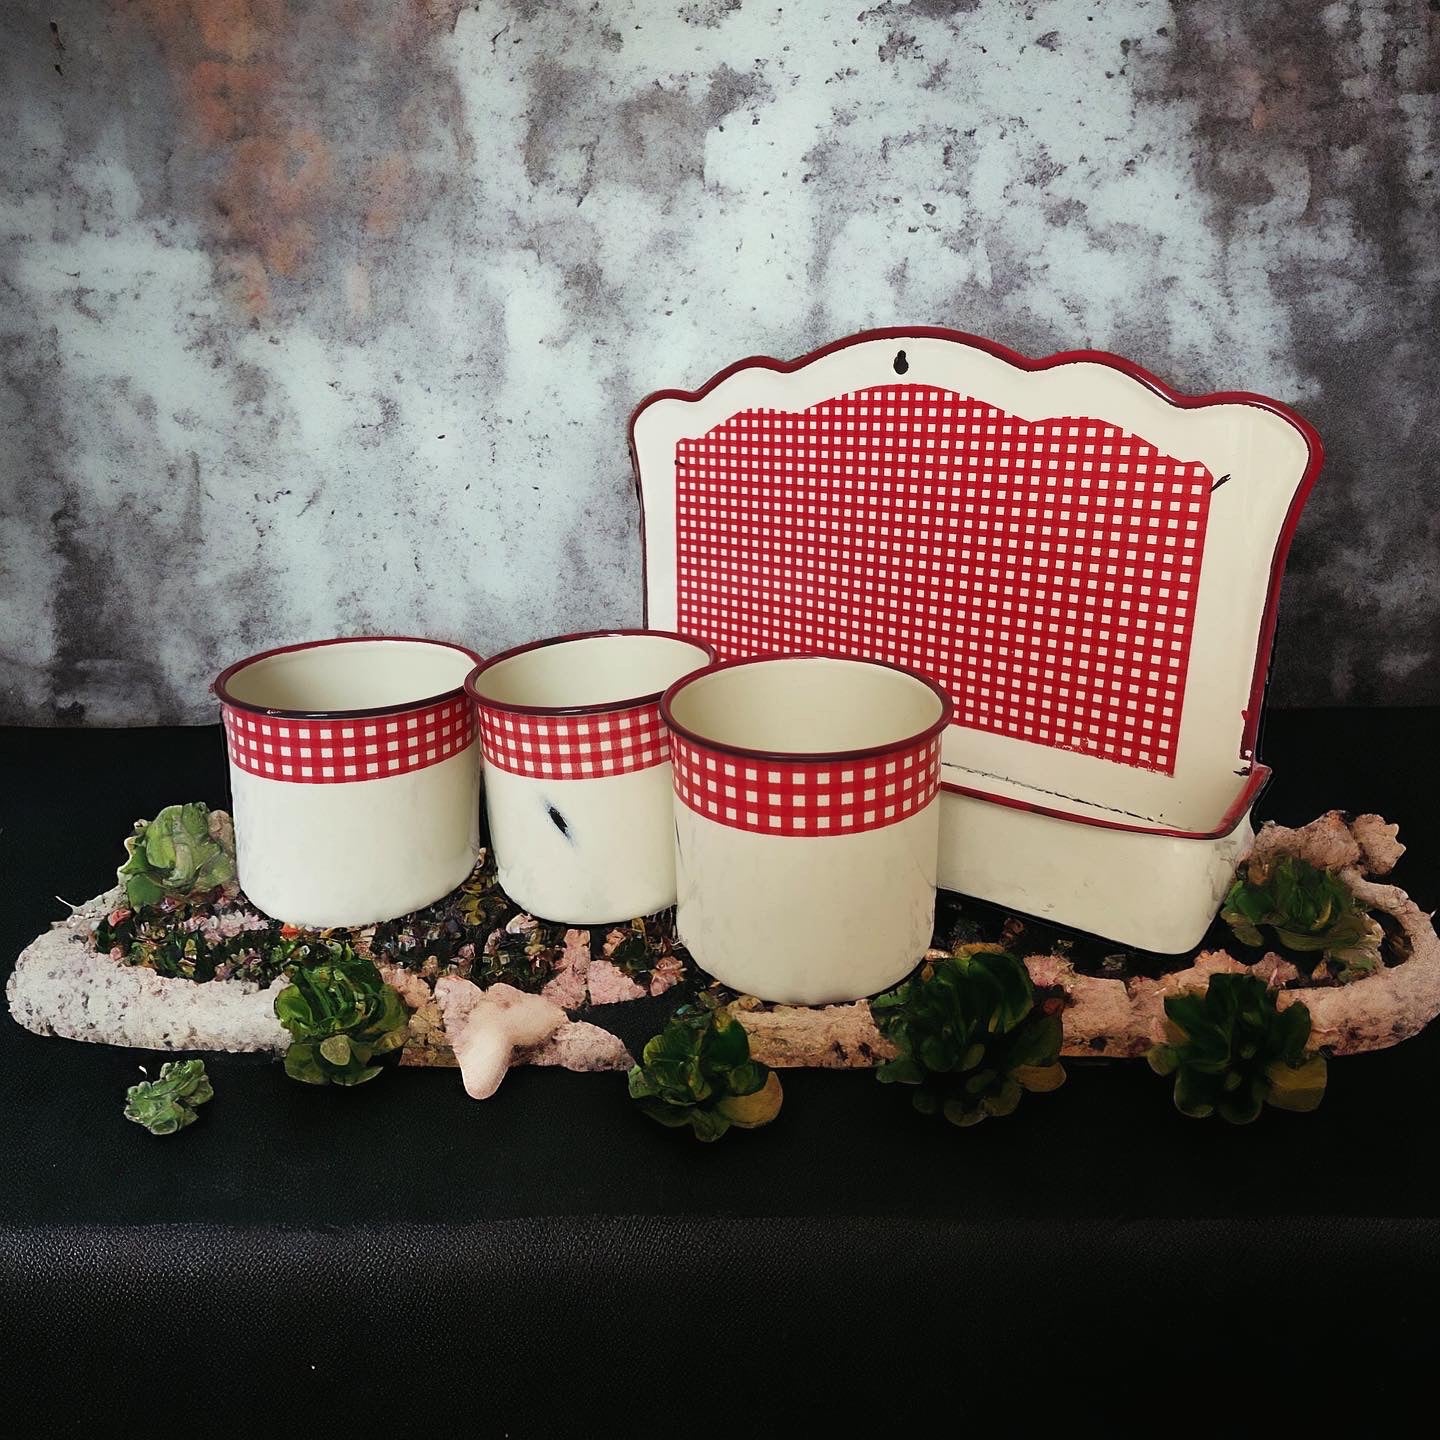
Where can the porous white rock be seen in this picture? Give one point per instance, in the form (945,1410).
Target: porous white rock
(1126,1017)
(832,1037)
(1380,847)
(61,986)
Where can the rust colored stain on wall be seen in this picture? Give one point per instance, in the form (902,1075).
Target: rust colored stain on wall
(249,76)
(326,316)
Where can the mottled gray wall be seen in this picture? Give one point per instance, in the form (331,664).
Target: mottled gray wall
(325,317)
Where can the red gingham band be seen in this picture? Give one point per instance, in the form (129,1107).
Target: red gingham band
(811,797)
(334,752)
(574,747)
(1043,572)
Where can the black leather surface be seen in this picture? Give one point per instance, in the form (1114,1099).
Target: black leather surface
(402,1259)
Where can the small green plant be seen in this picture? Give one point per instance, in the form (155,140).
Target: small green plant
(183,855)
(340,1014)
(168,1103)
(970,1036)
(218,940)
(1310,911)
(1232,1050)
(698,1072)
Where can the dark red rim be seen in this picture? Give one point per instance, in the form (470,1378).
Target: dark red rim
(1239,807)
(805,757)
(600,708)
(220,687)
(1307,432)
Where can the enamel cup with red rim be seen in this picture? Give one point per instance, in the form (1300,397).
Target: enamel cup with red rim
(578,789)
(355,777)
(806,828)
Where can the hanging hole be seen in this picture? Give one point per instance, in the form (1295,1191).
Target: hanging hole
(901,363)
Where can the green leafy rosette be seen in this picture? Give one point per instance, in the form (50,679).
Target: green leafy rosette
(340,1013)
(168,1103)
(698,1072)
(1309,911)
(183,855)
(970,1036)
(1232,1050)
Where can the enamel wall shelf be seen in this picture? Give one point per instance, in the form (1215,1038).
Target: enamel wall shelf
(1086,561)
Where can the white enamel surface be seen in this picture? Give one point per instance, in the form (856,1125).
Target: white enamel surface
(613,860)
(358,852)
(806,921)
(1263,455)
(806,705)
(351,675)
(592,670)
(1156,892)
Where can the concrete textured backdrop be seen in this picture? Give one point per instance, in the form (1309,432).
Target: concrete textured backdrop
(326,317)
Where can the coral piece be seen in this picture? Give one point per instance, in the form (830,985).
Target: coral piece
(487,1027)
(1380,847)
(578,1045)
(1274,971)
(1325,842)
(668,972)
(567,987)
(608,984)
(407,984)
(455,998)
(428,1042)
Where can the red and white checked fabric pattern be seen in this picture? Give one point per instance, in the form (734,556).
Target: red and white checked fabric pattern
(811,797)
(575,747)
(334,752)
(1042,573)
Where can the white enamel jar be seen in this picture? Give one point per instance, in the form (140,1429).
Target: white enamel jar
(354,775)
(806,826)
(578,790)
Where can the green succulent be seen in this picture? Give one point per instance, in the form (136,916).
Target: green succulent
(970,1036)
(1232,1049)
(1310,910)
(168,1103)
(698,1072)
(340,1013)
(184,854)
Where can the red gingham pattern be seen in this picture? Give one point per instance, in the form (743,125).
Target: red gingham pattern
(806,797)
(1042,573)
(334,752)
(575,747)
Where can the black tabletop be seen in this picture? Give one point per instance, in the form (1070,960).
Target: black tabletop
(548,1262)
